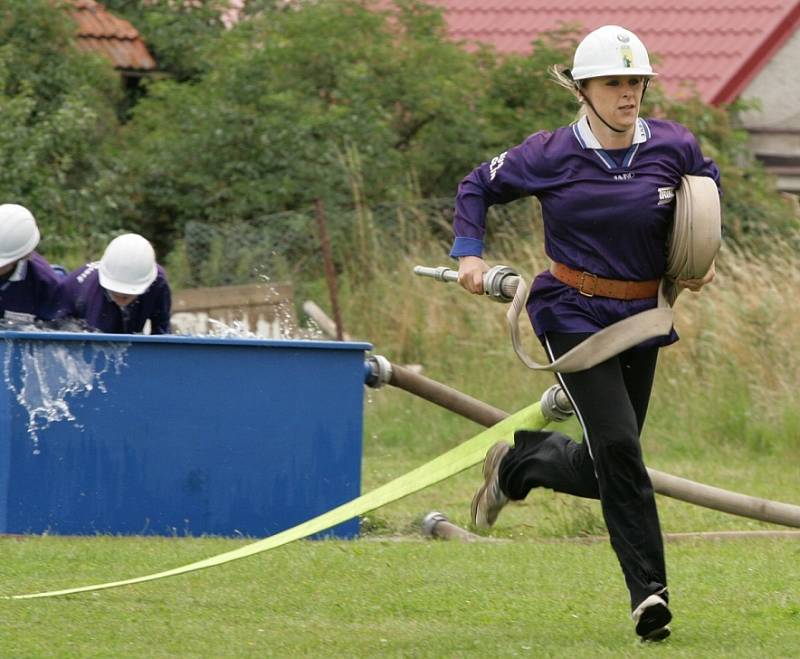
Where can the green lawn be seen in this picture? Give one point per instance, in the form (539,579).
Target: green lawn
(541,586)
(375,597)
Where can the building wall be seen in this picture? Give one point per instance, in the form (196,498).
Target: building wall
(775,128)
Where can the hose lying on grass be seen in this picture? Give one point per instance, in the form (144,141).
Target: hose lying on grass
(446,465)
(454,461)
(675,487)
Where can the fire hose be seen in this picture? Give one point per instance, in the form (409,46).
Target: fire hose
(693,244)
(556,406)
(500,284)
(455,460)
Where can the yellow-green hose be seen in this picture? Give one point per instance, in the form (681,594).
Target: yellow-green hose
(448,464)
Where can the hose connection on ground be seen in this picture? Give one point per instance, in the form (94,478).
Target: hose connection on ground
(555,405)
(378,371)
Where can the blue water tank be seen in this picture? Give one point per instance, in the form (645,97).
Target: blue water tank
(174,435)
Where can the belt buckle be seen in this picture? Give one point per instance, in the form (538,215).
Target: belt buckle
(582,283)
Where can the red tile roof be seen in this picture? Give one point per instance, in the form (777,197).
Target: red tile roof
(115,38)
(716,45)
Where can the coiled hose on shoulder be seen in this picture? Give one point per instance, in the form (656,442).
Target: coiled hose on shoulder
(693,245)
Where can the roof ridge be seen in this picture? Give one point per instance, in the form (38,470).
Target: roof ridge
(730,39)
(101,31)
(774,38)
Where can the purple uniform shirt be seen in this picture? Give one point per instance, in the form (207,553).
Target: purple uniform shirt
(29,292)
(80,296)
(608,212)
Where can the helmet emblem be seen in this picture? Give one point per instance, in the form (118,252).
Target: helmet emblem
(624,38)
(627,56)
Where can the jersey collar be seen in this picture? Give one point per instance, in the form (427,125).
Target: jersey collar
(587,140)
(20,271)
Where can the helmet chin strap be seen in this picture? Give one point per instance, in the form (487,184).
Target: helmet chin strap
(600,116)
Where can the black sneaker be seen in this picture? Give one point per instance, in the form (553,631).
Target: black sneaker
(489,499)
(652,618)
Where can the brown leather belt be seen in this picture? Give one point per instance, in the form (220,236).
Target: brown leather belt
(591,285)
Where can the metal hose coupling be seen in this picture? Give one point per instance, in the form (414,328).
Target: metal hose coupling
(555,405)
(499,281)
(495,284)
(436,525)
(378,371)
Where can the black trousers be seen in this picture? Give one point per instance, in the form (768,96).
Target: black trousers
(610,401)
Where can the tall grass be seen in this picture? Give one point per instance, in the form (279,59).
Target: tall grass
(734,376)
(730,381)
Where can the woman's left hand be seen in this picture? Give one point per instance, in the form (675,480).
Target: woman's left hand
(696,284)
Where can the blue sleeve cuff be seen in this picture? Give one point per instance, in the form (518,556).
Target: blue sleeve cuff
(466,247)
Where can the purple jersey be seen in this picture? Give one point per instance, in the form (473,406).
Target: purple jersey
(28,293)
(80,296)
(608,212)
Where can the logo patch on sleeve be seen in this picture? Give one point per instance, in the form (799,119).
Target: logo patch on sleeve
(497,163)
(665,195)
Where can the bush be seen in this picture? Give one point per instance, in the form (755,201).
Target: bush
(57,109)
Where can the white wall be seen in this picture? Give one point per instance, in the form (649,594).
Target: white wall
(778,88)
(775,128)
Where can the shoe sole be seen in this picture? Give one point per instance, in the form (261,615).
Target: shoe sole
(656,635)
(652,626)
(473,509)
(494,455)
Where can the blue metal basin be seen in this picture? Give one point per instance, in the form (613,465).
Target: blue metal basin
(179,435)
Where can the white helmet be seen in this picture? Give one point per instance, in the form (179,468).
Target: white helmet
(610,51)
(19,234)
(128,265)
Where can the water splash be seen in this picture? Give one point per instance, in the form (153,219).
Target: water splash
(44,377)
(313,331)
(272,318)
(287,326)
(237,329)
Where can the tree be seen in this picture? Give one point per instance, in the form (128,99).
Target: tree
(290,96)
(177,34)
(302,100)
(57,107)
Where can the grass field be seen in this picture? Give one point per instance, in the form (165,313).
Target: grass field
(724,412)
(733,598)
(542,585)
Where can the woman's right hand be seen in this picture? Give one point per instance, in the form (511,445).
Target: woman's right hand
(470,273)
(695,285)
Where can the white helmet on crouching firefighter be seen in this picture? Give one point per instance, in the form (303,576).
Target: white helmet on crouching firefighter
(128,265)
(19,234)
(610,50)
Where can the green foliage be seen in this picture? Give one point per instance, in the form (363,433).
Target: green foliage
(353,102)
(177,34)
(339,101)
(38,40)
(56,111)
(289,94)
(521,97)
